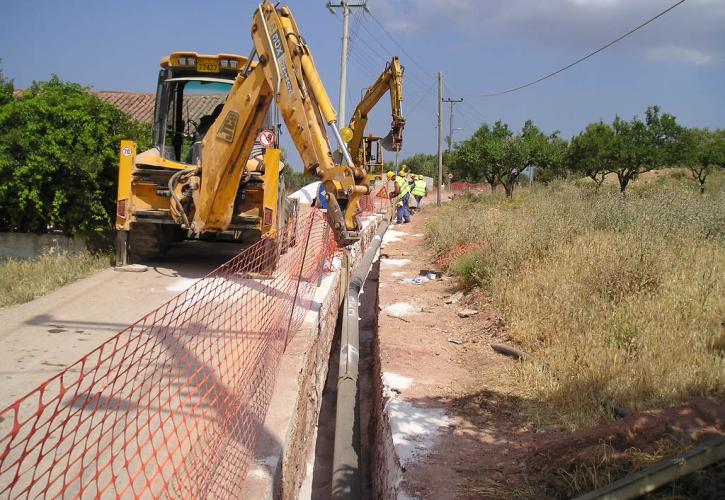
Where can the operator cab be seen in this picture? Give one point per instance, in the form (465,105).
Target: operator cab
(191,92)
(374,161)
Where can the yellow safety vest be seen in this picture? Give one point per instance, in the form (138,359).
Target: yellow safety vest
(403,186)
(419,188)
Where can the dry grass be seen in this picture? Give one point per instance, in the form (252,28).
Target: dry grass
(608,465)
(22,281)
(620,295)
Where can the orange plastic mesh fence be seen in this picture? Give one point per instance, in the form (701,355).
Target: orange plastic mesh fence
(459,187)
(173,404)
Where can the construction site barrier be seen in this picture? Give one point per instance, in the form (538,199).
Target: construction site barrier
(173,405)
(461,187)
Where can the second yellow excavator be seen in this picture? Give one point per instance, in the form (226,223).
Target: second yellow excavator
(216,183)
(366,150)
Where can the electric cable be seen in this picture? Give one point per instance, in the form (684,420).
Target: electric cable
(581,59)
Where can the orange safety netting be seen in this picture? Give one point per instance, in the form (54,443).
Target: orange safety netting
(460,187)
(173,404)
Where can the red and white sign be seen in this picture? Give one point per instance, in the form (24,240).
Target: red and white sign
(267,138)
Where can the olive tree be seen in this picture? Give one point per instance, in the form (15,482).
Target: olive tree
(640,146)
(702,152)
(591,152)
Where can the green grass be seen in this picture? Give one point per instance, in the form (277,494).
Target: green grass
(620,295)
(25,280)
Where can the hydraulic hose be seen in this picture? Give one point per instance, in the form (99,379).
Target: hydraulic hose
(177,201)
(345,459)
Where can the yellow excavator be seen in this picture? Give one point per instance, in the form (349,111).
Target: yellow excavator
(366,150)
(217,171)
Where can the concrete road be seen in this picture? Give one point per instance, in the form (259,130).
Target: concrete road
(39,338)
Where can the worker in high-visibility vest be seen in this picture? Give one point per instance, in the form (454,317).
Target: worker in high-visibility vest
(400,196)
(419,190)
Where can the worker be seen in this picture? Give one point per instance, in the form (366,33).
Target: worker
(401,197)
(410,179)
(419,190)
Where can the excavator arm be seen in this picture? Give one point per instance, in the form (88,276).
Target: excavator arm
(390,80)
(284,72)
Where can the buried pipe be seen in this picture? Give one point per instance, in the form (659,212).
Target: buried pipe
(346,481)
(611,406)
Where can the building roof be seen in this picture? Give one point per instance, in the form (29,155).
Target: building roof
(140,106)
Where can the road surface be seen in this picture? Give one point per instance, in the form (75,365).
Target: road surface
(39,338)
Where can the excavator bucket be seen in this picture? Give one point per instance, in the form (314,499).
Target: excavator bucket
(388,142)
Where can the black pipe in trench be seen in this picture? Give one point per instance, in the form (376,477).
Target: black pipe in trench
(345,461)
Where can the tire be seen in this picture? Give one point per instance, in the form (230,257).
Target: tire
(147,241)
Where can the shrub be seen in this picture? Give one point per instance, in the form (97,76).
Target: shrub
(59,159)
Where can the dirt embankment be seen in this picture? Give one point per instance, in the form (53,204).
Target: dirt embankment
(460,425)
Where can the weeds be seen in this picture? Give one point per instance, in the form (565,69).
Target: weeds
(22,281)
(624,296)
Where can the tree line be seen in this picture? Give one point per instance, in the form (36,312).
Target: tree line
(497,155)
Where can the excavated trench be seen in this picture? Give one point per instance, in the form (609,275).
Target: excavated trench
(378,473)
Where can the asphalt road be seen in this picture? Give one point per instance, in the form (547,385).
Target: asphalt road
(39,338)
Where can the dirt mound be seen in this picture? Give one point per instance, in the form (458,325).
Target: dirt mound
(444,260)
(628,444)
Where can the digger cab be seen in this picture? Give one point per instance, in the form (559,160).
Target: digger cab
(190,94)
(191,91)
(374,160)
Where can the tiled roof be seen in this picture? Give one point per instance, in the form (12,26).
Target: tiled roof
(140,106)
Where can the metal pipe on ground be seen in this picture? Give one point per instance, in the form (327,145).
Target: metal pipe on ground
(346,461)
(648,480)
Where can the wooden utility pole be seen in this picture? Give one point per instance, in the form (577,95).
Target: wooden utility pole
(440,137)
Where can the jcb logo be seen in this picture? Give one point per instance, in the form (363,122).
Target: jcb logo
(229,126)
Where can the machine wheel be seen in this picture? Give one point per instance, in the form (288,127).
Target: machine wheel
(146,241)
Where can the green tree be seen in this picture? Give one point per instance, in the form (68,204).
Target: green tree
(555,164)
(482,158)
(422,164)
(6,89)
(702,151)
(530,148)
(59,149)
(591,152)
(639,146)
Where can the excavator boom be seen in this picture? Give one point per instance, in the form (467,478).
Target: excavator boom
(390,80)
(284,73)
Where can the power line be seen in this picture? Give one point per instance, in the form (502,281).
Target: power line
(422,81)
(414,107)
(420,66)
(581,59)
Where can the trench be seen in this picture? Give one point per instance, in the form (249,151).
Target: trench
(373,446)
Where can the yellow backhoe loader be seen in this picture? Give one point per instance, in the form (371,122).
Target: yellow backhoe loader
(368,150)
(216,170)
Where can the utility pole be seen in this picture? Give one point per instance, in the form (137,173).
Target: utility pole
(450,122)
(345,6)
(440,137)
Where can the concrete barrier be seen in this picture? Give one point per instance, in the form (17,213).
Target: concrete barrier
(30,246)
(284,454)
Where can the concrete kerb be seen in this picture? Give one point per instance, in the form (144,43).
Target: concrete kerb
(284,452)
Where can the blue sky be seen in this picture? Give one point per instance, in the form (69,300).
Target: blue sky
(481,46)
